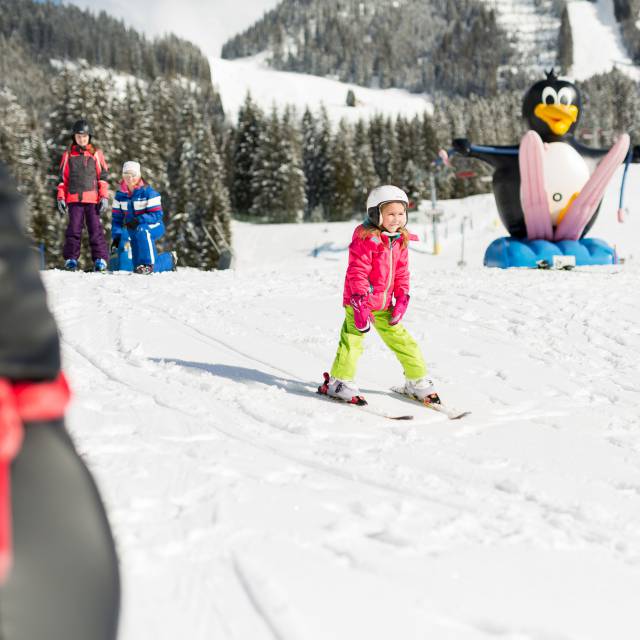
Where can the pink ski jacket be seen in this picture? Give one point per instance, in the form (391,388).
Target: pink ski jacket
(378,266)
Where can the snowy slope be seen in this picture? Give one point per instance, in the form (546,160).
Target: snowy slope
(532,26)
(234,78)
(245,507)
(597,42)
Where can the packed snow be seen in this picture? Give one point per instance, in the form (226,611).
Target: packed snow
(245,506)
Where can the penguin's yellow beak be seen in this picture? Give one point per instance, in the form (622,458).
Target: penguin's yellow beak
(559,117)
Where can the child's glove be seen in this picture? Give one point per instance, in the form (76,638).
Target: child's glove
(399,309)
(62,208)
(103,206)
(132,223)
(360,304)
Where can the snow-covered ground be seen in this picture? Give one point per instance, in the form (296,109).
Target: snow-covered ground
(597,41)
(246,507)
(234,78)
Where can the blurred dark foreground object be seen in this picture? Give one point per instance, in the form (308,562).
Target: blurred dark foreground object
(58,565)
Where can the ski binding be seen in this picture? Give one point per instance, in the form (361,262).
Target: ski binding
(451,413)
(357,401)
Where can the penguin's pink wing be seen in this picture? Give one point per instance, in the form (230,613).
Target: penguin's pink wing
(585,205)
(533,195)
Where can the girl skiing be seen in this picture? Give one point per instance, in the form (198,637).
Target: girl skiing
(376,289)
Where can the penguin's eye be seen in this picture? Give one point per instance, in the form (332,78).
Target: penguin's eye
(565,96)
(549,96)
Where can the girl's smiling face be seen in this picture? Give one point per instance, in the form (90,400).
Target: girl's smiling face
(394,216)
(130,179)
(82,139)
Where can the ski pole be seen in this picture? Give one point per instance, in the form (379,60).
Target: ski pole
(627,162)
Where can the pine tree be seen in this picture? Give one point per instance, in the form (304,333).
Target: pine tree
(365,177)
(245,148)
(344,181)
(278,180)
(310,165)
(294,199)
(324,167)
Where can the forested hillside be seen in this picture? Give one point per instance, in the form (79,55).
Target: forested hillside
(453,46)
(627,12)
(50,30)
(164,113)
(287,167)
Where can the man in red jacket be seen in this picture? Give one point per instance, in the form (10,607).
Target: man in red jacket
(83,194)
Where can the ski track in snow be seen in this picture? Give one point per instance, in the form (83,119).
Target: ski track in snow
(245,507)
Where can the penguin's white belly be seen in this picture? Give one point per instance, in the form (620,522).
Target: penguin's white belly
(565,173)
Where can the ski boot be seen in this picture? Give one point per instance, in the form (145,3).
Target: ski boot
(71,265)
(100,265)
(343,390)
(144,269)
(422,389)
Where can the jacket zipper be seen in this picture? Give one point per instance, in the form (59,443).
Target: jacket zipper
(384,295)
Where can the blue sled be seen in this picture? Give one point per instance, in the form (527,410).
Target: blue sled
(512,252)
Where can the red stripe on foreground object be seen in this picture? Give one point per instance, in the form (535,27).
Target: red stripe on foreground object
(19,403)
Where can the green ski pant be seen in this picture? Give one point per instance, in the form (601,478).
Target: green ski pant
(396,337)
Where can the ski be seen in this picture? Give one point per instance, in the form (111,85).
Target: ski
(357,401)
(365,407)
(451,413)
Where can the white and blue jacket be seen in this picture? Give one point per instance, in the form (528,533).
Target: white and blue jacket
(143,206)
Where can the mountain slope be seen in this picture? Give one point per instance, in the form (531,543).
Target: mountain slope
(595,22)
(421,46)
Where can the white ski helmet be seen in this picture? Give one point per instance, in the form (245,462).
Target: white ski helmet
(380,196)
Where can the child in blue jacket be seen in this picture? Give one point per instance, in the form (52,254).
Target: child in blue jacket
(138,208)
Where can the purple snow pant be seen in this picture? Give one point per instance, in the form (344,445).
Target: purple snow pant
(80,212)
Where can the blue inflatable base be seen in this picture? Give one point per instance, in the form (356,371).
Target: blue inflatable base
(512,252)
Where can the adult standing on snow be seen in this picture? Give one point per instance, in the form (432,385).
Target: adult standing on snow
(83,194)
(138,208)
(58,566)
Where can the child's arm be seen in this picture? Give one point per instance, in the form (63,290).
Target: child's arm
(102,173)
(117,217)
(63,173)
(401,281)
(359,267)
(152,211)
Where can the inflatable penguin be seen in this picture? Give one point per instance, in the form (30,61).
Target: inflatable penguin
(549,188)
